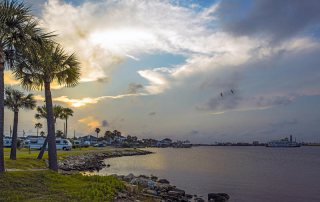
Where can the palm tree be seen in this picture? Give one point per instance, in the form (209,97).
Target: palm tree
(42,114)
(42,133)
(97,130)
(66,112)
(38,126)
(18,29)
(59,134)
(45,64)
(16,100)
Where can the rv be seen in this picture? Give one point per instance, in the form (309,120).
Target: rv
(7,141)
(37,143)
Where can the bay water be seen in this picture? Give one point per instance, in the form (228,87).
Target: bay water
(251,173)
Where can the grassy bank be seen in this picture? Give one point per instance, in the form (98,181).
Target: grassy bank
(51,186)
(28,160)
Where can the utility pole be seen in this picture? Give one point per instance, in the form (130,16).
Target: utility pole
(74,134)
(23,133)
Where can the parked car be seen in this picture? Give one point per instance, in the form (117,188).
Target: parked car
(101,144)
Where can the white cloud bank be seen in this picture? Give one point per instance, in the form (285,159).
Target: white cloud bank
(104,33)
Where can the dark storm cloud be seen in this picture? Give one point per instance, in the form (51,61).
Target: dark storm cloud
(277,18)
(105,123)
(134,88)
(231,101)
(227,102)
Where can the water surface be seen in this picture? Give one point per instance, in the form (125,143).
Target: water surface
(245,173)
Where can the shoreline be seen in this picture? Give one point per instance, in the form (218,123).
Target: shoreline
(94,161)
(140,187)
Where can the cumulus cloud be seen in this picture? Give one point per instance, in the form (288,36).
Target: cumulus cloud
(104,33)
(271,18)
(89,100)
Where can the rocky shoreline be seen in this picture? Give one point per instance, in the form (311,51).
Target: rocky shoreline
(150,188)
(138,188)
(94,161)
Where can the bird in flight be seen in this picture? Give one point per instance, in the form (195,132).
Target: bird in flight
(232,91)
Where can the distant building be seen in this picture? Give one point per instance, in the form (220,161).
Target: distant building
(88,138)
(164,143)
(255,143)
(119,139)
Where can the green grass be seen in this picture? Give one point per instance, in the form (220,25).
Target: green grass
(52,186)
(28,160)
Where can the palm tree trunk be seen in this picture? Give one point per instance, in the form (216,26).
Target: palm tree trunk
(1,108)
(13,151)
(66,134)
(43,148)
(52,150)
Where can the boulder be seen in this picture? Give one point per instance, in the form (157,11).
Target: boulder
(176,192)
(129,177)
(132,188)
(198,199)
(151,192)
(163,181)
(218,197)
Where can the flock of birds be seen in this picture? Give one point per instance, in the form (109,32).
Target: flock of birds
(232,92)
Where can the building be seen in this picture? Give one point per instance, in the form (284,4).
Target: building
(88,138)
(164,143)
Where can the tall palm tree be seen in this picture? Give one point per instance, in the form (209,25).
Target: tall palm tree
(42,114)
(16,100)
(38,126)
(18,29)
(45,64)
(97,130)
(66,113)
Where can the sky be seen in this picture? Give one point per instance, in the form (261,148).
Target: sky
(157,69)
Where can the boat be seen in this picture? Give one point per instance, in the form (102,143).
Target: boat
(286,142)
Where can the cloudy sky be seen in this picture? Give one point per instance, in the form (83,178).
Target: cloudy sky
(158,68)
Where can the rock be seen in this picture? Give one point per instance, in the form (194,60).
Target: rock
(142,182)
(129,177)
(189,196)
(151,192)
(132,188)
(121,195)
(176,192)
(154,178)
(163,181)
(218,197)
(198,199)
